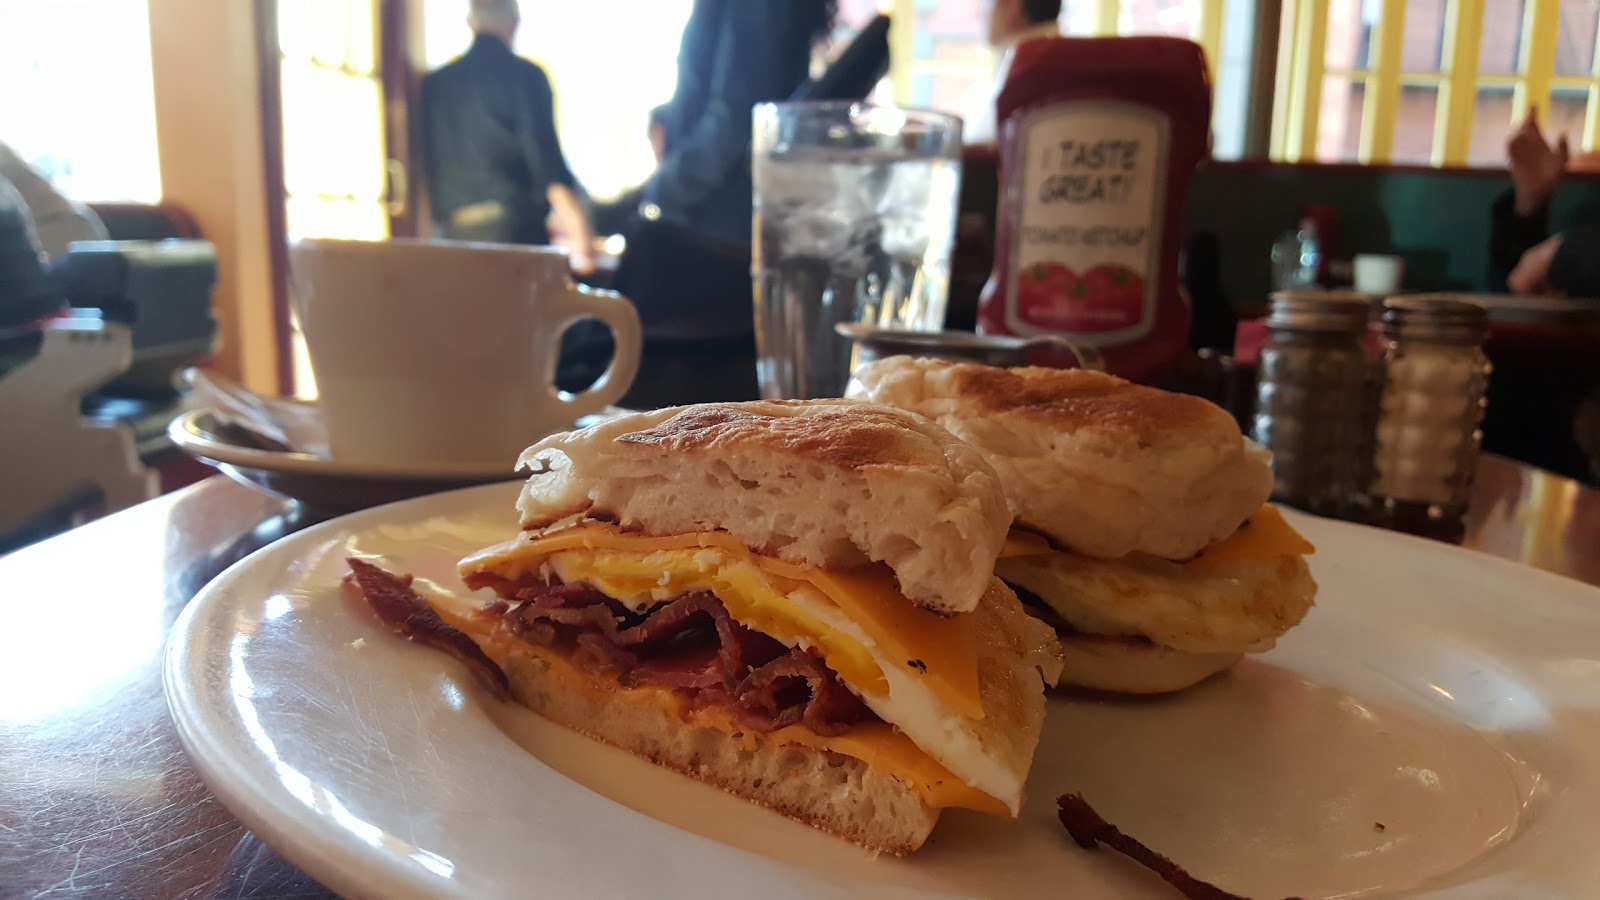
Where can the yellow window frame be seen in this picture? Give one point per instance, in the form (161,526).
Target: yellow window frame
(903,68)
(1301,72)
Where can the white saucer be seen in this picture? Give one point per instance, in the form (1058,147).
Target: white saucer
(329,486)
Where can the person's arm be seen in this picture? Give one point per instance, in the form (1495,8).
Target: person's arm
(749,69)
(1575,268)
(543,143)
(568,221)
(1511,236)
(1520,218)
(1567,264)
(432,150)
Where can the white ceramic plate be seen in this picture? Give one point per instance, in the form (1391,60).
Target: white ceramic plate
(1432,729)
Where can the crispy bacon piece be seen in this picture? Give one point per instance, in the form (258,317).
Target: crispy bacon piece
(595,654)
(1088,830)
(774,691)
(401,608)
(693,665)
(691,645)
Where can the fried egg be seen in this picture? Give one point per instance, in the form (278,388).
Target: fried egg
(966,689)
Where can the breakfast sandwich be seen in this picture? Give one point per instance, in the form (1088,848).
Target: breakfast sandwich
(792,601)
(1142,532)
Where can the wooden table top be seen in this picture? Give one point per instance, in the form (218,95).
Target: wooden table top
(97,798)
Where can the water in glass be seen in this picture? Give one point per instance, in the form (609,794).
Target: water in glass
(845,235)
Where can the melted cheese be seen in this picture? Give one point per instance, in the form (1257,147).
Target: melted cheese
(640,580)
(874,743)
(1265,535)
(640,570)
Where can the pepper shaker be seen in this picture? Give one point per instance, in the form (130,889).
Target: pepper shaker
(1435,376)
(1314,400)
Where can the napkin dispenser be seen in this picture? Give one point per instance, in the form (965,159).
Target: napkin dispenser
(160,289)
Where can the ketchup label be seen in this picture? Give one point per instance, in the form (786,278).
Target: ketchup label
(1087,243)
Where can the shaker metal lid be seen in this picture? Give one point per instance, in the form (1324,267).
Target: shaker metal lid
(1338,311)
(1439,317)
(1538,310)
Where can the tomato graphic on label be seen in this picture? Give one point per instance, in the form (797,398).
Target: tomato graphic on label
(1046,293)
(1105,298)
(1112,297)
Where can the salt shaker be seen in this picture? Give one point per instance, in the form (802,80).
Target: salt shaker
(1314,401)
(1435,375)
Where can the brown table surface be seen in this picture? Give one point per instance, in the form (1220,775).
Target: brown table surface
(96,796)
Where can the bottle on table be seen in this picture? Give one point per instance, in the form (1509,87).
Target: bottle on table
(1098,140)
(1297,258)
(1434,381)
(1314,400)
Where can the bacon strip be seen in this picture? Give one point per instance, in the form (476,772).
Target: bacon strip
(401,608)
(829,707)
(691,645)
(694,666)
(1088,829)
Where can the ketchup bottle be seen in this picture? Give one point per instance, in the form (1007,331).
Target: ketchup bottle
(1098,140)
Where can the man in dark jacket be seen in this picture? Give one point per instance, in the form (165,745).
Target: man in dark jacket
(494,163)
(734,54)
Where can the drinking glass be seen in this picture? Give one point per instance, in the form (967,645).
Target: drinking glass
(855,212)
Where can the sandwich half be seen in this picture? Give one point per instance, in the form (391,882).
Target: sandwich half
(792,601)
(1142,532)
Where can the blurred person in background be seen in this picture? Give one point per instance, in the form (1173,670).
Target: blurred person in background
(617,216)
(57,221)
(37,223)
(656,132)
(494,163)
(733,55)
(24,294)
(1010,23)
(1524,257)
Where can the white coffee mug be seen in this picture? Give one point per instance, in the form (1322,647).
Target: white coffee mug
(1378,274)
(434,354)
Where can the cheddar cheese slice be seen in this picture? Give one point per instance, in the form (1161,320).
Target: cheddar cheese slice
(623,565)
(1265,535)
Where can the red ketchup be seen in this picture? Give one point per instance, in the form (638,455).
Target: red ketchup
(1098,140)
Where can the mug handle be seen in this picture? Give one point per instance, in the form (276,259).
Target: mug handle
(617,312)
(1088,357)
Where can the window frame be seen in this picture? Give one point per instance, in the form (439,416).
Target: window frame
(905,67)
(1302,73)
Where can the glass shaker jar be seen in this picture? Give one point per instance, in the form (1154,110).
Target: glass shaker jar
(1313,400)
(1435,375)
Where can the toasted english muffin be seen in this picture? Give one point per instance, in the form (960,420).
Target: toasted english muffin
(1135,665)
(1098,464)
(824,483)
(831,791)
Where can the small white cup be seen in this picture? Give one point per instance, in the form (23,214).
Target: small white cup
(443,354)
(1378,274)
